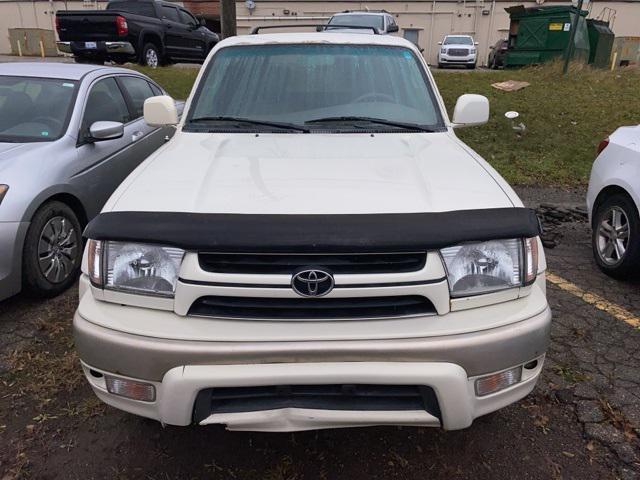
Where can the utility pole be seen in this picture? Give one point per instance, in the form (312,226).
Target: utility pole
(568,52)
(228,18)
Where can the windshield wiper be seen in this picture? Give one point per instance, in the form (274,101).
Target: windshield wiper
(223,118)
(381,121)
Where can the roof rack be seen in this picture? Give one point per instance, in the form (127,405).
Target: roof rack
(365,11)
(318,26)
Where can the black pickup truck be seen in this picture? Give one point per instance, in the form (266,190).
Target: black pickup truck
(151,32)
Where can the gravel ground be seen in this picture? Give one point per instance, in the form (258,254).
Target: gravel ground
(582,420)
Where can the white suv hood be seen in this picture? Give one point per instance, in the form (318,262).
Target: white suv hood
(312,174)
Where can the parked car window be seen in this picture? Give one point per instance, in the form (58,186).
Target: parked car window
(105,103)
(170,13)
(374,21)
(299,83)
(458,41)
(187,18)
(155,89)
(34,109)
(138,90)
(137,8)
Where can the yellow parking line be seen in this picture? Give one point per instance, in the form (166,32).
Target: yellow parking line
(596,300)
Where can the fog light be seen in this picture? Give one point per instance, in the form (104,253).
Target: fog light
(131,389)
(498,381)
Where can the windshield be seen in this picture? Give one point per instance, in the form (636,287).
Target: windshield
(458,41)
(34,109)
(315,84)
(374,21)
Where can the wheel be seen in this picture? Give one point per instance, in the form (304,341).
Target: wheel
(52,250)
(492,64)
(471,67)
(150,55)
(440,65)
(615,238)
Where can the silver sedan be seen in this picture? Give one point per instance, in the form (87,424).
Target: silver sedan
(69,135)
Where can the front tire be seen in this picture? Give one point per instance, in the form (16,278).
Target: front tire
(150,56)
(616,237)
(52,250)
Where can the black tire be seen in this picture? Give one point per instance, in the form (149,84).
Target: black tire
(471,67)
(150,51)
(627,266)
(440,65)
(64,250)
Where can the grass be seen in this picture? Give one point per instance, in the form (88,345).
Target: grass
(565,117)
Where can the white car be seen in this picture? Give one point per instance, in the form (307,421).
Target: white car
(381,22)
(314,248)
(458,50)
(613,200)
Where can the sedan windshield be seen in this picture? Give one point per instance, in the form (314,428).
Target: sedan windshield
(320,87)
(34,109)
(374,21)
(458,41)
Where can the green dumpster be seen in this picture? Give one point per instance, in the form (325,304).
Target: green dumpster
(540,34)
(601,39)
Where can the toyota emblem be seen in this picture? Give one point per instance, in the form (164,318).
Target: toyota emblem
(312,283)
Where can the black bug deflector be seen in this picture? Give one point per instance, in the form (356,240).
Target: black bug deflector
(397,232)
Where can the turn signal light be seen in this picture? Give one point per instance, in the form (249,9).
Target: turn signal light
(498,381)
(602,145)
(123,387)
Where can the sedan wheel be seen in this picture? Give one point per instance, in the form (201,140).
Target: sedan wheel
(616,230)
(52,250)
(57,249)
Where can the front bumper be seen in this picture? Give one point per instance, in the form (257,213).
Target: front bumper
(101,48)
(448,364)
(458,404)
(11,241)
(455,60)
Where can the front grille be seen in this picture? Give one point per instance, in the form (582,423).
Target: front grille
(269,308)
(458,52)
(325,397)
(287,263)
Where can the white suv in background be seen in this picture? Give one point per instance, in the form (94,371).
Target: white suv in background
(314,248)
(458,50)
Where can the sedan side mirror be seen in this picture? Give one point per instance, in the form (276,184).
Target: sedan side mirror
(393,28)
(102,131)
(160,111)
(470,110)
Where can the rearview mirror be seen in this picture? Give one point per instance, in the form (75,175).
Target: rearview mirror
(393,28)
(160,111)
(470,110)
(101,131)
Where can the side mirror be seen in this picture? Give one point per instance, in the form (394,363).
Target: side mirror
(393,28)
(476,43)
(439,43)
(101,131)
(470,110)
(319,28)
(160,111)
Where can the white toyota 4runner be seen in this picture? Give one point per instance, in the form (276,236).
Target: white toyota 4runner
(314,248)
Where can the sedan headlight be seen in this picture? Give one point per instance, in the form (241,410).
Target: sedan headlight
(3,191)
(134,267)
(477,268)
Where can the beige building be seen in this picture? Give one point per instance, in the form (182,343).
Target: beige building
(426,21)
(422,21)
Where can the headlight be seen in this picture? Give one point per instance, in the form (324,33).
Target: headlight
(472,51)
(443,50)
(3,191)
(134,267)
(477,268)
